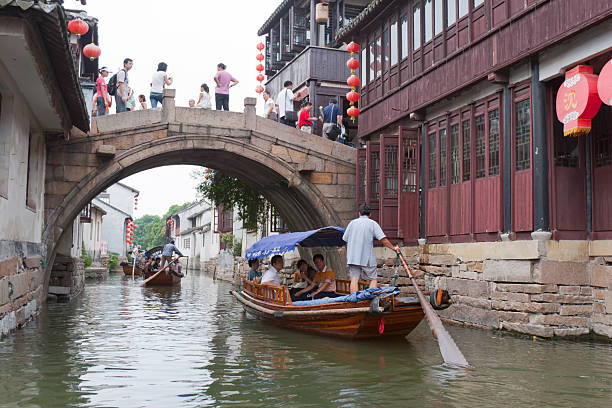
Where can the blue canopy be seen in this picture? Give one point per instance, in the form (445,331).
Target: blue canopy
(278,244)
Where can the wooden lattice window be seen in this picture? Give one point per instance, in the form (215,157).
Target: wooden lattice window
(391,168)
(601,148)
(465,133)
(455,155)
(443,157)
(523,135)
(494,142)
(362,176)
(375,175)
(481,146)
(409,165)
(432,160)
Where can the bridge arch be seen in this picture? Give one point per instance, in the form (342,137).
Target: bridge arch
(308,179)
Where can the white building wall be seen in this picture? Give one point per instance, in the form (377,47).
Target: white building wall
(92,234)
(17,123)
(113,228)
(122,197)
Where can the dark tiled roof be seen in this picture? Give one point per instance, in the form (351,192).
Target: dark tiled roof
(265,28)
(50,19)
(366,15)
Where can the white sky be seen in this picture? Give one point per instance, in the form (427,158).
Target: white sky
(192,37)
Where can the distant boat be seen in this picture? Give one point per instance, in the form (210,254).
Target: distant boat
(127,270)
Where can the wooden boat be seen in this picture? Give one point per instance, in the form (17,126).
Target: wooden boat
(127,270)
(394,316)
(162,279)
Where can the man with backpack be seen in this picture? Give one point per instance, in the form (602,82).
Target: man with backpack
(332,118)
(119,86)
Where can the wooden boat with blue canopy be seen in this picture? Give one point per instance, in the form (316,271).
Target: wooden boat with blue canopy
(369,313)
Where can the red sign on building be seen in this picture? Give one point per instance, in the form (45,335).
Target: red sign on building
(577,100)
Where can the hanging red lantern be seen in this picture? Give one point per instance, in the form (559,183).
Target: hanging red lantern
(259,57)
(259,89)
(604,83)
(260,78)
(352,63)
(352,96)
(78,27)
(353,81)
(577,100)
(353,47)
(259,67)
(260,46)
(353,112)
(92,51)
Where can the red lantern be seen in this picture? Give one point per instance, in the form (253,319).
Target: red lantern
(259,67)
(353,81)
(604,83)
(260,46)
(92,51)
(78,27)
(352,96)
(352,63)
(577,100)
(353,47)
(259,89)
(259,57)
(260,78)
(353,112)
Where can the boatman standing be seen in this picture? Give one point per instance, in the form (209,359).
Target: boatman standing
(167,252)
(359,237)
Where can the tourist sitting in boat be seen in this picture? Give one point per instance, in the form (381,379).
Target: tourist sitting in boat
(272,275)
(303,277)
(254,275)
(175,268)
(323,285)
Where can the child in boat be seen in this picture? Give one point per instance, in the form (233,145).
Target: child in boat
(254,275)
(323,284)
(302,278)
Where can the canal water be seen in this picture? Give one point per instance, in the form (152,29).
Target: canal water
(121,345)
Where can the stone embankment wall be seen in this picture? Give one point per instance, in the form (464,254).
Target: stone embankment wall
(21,284)
(541,288)
(67,276)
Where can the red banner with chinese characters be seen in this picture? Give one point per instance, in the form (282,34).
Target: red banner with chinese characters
(578,101)
(604,83)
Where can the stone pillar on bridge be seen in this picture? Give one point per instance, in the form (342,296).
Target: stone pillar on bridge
(250,114)
(168,105)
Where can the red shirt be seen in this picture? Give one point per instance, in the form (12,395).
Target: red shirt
(304,115)
(100,83)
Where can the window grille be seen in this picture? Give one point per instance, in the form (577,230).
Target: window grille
(480,146)
(455,158)
(494,142)
(375,174)
(443,157)
(391,168)
(467,161)
(432,160)
(522,134)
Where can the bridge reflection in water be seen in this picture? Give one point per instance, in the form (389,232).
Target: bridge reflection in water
(192,346)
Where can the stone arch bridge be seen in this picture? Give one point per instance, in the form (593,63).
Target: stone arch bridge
(309,180)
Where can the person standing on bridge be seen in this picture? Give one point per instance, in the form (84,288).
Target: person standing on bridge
(284,105)
(103,99)
(224,81)
(123,84)
(158,83)
(359,237)
(167,252)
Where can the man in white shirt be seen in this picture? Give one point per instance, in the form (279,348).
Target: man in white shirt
(284,103)
(271,276)
(270,110)
(359,237)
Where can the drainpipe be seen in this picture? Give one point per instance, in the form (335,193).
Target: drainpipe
(541,210)
(507,170)
(422,180)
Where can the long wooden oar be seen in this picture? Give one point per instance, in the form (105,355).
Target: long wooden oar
(158,272)
(449,350)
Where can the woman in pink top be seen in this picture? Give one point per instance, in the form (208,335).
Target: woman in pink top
(103,100)
(224,81)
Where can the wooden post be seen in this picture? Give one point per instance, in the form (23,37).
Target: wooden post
(507,159)
(423,140)
(313,23)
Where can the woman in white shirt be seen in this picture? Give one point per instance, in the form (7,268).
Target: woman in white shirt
(204,101)
(158,82)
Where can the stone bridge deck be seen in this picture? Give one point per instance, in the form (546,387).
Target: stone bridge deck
(310,180)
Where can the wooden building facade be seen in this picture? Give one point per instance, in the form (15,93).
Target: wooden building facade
(460,140)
